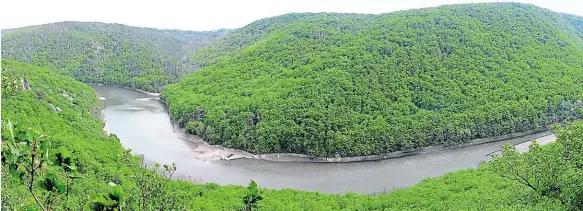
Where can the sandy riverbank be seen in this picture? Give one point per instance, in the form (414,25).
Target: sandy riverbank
(523,147)
(541,141)
(153,94)
(515,139)
(206,151)
(215,152)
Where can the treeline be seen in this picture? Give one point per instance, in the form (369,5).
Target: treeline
(349,85)
(82,168)
(110,54)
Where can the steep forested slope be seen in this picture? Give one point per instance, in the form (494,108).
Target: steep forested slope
(229,44)
(68,112)
(108,53)
(65,111)
(577,22)
(349,85)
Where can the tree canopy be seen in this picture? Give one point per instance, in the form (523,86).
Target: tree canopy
(350,85)
(319,84)
(58,109)
(111,54)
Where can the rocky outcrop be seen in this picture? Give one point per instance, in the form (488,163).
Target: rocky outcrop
(25,84)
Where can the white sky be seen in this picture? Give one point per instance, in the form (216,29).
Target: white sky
(212,14)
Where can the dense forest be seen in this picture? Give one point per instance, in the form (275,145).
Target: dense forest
(229,44)
(110,54)
(577,22)
(55,156)
(335,85)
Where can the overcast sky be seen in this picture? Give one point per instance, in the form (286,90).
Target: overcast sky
(213,14)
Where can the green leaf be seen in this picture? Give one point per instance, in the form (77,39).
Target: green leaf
(252,187)
(26,149)
(32,208)
(13,169)
(117,194)
(51,168)
(11,158)
(45,144)
(14,150)
(102,200)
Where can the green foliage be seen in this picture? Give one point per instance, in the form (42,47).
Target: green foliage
(59,118)
(107,202)
(25,150)
(58,110)
(94,160)
(195,127)
(78,159)
(553,171)
(228,45)
(10,87)
(26,154)
(351,85)
(153,184)
(577,22)
(252,197)
(110,54)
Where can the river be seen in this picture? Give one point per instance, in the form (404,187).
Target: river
(144,126)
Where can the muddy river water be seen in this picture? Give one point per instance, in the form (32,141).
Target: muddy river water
(143,125)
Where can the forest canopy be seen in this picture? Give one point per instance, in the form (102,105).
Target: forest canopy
(111,54)
(319,84)
(333,85)
(66,112)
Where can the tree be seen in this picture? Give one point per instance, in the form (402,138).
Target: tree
(252,197)
(152,183)
(64,161)
(551,171)
(26,153)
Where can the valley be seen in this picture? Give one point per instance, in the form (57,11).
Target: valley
(125,113)
(422,109)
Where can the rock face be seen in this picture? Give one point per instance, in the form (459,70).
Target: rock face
(66,95)
(55,108)
(25,84)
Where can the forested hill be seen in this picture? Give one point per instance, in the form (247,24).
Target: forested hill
(577,22)
(108,53)
(229,44)
(82,168)
(349,85)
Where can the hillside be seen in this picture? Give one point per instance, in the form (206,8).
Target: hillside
(111,54)
(66,112)
(333,85)
(577,22)
(229,44)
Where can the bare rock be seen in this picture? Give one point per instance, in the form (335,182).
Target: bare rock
(25,84)
(66,95)
(55,108)
(40,95)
